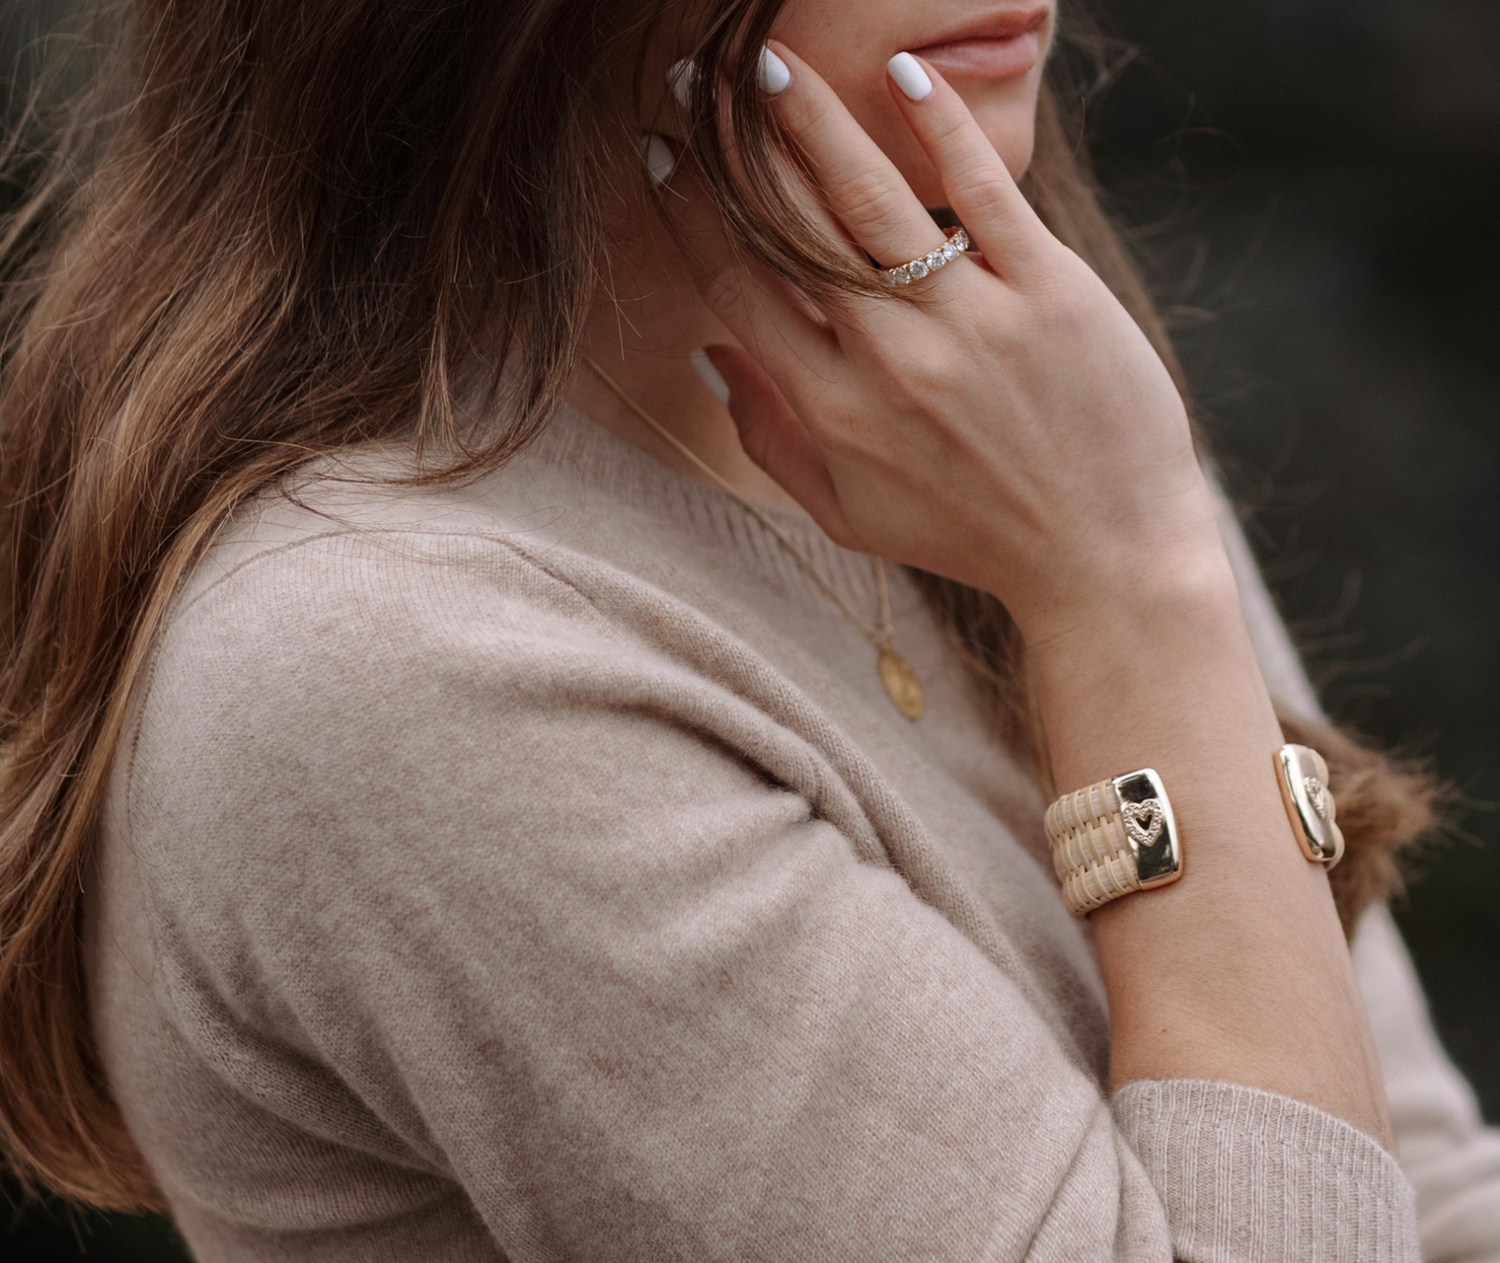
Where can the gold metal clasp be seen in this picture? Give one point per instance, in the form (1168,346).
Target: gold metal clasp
(1302,774)
(1150,826)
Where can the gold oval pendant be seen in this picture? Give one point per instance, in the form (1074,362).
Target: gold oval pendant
(900,683)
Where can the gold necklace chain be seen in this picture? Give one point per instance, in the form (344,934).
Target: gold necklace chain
(896,675)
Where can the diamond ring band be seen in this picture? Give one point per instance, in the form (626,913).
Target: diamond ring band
(957,243)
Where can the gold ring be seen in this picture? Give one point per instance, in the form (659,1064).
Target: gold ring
(957,243)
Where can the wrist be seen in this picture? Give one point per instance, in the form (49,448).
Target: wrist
(1146,676)
(1165,605)
(1100,577)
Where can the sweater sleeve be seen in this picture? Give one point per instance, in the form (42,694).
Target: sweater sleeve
(1447,1152)
(542,898)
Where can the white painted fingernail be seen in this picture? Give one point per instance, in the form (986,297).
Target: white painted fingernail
(680,79)
(712,378)
(907,71)
(660,160)
(772,73)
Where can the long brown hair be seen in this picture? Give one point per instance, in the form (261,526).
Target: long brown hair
(270,229)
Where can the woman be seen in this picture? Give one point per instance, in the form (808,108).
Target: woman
(518,805)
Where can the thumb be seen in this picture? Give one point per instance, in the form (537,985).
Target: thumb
(774,437)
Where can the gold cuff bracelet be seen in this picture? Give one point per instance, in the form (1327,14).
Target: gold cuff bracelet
(1118,835)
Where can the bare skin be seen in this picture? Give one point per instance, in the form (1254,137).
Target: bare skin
(958,438)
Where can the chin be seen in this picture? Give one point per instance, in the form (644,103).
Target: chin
(1014,140)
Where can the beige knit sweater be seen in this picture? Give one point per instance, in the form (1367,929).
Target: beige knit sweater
(535,870)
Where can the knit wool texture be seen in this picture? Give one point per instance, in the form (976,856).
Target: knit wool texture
(535,870)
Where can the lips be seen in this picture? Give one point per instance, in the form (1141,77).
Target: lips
(996,47)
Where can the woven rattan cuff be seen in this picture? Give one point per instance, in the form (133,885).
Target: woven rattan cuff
(1111,838)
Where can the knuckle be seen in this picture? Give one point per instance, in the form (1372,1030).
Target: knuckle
(840,432)
(1064,290)
(988,191)
(902,389)
(942,364)
(946,135)
(869,200)
(802,112)
(915,370)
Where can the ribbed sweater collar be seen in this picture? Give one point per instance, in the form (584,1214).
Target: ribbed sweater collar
(599,462)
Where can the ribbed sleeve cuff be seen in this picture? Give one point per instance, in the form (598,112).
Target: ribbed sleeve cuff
(1252,1175)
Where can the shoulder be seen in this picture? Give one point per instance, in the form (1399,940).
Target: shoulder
(338,634)
(342,584)
(359,628)
(341,544)
(356,721)
(377,631)
(365,727)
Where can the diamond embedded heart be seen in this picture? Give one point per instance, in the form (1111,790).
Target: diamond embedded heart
(1144,820)
(1316,795)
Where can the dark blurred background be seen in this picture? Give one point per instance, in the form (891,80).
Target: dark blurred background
(1319,185)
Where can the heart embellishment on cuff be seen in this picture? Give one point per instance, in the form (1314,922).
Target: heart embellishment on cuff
(1317,795)
(1143,820)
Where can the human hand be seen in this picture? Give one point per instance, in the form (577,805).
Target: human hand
(1019,433)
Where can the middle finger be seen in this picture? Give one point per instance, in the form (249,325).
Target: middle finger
(861,185)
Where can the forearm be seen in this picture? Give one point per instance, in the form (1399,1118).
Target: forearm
(1239,971)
